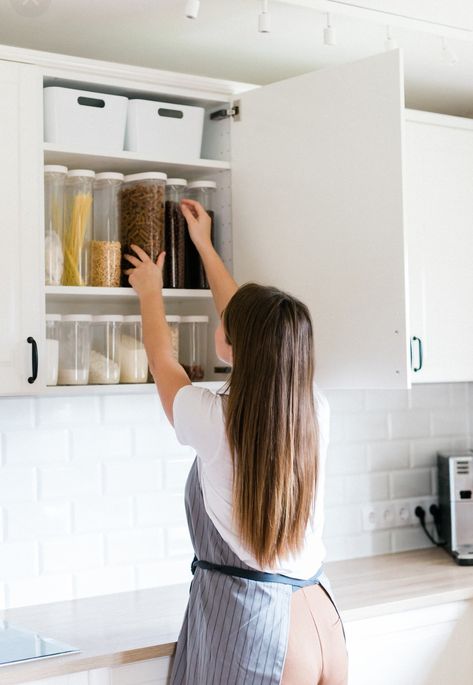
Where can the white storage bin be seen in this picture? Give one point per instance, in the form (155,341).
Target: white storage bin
(78,117)
(164,130)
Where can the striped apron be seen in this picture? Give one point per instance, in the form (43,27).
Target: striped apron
(235,630)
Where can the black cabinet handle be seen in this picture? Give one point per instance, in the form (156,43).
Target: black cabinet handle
(34,359)
(419,344)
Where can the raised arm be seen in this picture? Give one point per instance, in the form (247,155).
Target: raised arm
(221,282)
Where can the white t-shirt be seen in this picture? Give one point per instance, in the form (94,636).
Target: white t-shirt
(199,422)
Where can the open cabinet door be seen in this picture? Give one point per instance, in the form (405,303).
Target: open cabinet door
(318,211)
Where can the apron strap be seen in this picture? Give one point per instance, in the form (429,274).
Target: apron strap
(259,576)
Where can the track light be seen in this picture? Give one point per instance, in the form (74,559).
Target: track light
(330,37)
(448,55)
(389,43)
(264,19)
(192,9)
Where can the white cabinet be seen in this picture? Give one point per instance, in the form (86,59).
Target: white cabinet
(439,213)
(21,293)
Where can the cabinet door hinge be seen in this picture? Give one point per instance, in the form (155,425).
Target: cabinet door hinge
(234,111)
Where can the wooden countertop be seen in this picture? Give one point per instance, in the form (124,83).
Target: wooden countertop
(133,626)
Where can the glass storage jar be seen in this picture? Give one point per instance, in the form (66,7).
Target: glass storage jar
(52,348)
(173,323)
(54,179)
(132,353)
(105,250)
(142,215)
(175,231)
(104,367)
(203,192)
(74,349)
(193,345)
(78,226)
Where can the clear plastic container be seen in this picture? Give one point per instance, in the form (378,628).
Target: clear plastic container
(175,232)
(106,254)
(104,367)
(193,345)
(54,179)
(173,323)
(203,192)
(74,349)
(132,354)
(52,348)
(142,215)
(78,226)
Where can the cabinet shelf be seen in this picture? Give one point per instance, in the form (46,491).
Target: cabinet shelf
(128,162)
(119,389)
(64,293)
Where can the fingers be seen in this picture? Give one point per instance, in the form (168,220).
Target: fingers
(188,214)
(140,252)
(160,260)
(134,260)
(128,272)
(195,207)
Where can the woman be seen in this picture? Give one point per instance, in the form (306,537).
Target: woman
(259,610)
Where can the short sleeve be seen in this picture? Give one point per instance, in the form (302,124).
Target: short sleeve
(198,420)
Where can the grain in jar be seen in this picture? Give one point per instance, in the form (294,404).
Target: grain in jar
(173,322)
(203,192)
(132,353)
(175,232)
(193,345)
(54,179)
(78,197)
(104,368)
(106,246)
(142,215)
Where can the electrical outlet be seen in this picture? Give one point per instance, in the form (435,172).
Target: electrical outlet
(387,515)
(425,503)
(370,517)
(403,513)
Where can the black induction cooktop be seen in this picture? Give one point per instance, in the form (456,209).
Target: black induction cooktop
(18,645)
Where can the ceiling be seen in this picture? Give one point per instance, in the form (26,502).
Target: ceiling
(223,42)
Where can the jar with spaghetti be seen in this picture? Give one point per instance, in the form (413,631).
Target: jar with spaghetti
(106,247)
(54,178)
(78,226)
(142,215)
(203,192)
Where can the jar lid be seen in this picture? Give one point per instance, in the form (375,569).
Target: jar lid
(107,317)
(176,182)
(202,184)
(133,318)
(82,172)
(55,169)
(53,317)
(194,319)
(109,176)
(146,176)
(76,317)
(173,318)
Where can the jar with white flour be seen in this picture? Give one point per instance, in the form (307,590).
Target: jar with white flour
(132,353)
(74,349)
(104,368)
(52,348)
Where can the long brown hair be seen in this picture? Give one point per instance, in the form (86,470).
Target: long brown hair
(270,419)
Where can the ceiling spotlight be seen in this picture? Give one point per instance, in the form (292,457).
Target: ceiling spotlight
(330,37)
(389,43)
(192,9)
(264,19)
(448,55)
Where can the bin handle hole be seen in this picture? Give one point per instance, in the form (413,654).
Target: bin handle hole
(172,113)
(91,102)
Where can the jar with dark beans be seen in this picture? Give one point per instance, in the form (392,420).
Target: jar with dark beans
(203,192)
(142,215)
(175,232)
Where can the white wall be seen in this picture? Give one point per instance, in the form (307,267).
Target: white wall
(91,487)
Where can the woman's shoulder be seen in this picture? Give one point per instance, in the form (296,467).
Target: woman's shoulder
(198,416)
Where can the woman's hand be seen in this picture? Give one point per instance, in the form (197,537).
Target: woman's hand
(146,277)
(199,223)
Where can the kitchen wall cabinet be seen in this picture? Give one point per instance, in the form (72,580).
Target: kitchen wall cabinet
(324,176)
(439,217)
(21,302)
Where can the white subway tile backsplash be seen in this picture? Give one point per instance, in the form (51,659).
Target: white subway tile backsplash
(35,520)
(134,546)
(35,446)
(137,475)
(91,499)
(75,552)
(102,513)
(411,483)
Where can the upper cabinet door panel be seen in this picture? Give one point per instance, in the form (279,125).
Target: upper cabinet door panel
(21,294)
(439,208)
(317,209)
